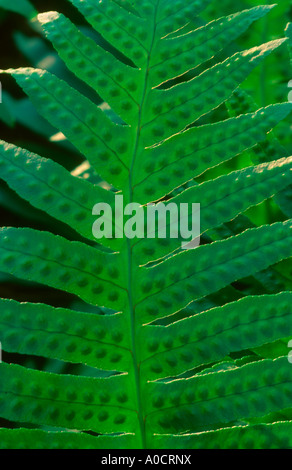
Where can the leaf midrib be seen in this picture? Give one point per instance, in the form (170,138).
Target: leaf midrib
(129,247)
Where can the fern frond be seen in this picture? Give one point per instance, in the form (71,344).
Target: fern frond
(200,148)
(162,289)
(186,349)
(65,335)
(71,266)
(115,82)
(178,55)
(79,119)
(169,111)
(222,199)
(59,400)
(218,397)
(210,336)
(49,187)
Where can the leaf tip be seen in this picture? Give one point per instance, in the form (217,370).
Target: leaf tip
(48,16)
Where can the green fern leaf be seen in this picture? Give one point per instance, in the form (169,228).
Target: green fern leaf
(170,342)
(211,143)
(79,119)
(71,266)
(218,397)
(222,199)
(213,334)
(178,55)
(65,335)
(49,187)
(52,399)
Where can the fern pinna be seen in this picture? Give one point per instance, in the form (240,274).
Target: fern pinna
(185,352)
